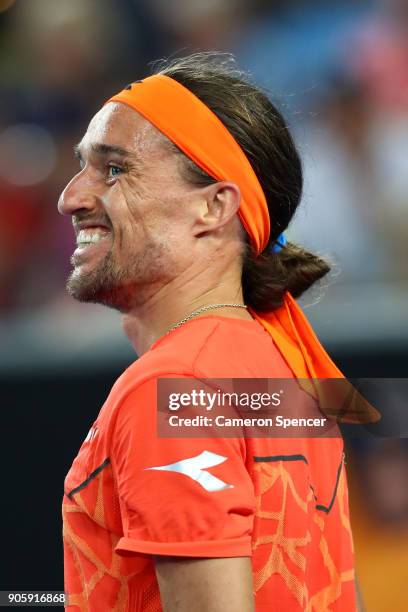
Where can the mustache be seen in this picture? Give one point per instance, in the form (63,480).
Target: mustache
(78,220)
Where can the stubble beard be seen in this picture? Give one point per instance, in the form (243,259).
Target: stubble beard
(102,285)
(115,286)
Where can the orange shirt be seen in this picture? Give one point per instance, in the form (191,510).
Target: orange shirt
(284,503)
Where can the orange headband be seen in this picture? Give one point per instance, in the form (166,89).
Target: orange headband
(198,132)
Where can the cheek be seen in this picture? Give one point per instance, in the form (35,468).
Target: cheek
(121,206)
(114,201)
(167,224)
(142,217)
(147,211)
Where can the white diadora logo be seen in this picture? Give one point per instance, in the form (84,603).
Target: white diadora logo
(195,468)
(91,434)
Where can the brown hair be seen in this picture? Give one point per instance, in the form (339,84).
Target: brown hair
(261,131)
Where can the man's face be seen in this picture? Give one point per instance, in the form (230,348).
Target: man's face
(129,207)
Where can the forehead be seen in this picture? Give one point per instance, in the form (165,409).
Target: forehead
(118,125)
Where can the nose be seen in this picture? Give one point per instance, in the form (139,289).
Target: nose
(77,195)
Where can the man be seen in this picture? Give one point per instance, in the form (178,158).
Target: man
(187,180)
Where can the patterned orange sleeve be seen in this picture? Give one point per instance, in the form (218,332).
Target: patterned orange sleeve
(178,496)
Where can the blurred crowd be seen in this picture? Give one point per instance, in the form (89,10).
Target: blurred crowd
(339,72)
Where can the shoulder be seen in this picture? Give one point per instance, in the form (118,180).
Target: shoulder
(172,355)
(175,353)
(214,347)
(209,347)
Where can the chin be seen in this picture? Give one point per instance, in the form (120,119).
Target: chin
(101,286)
(83,290)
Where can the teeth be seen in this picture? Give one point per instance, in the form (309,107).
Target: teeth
(88,236)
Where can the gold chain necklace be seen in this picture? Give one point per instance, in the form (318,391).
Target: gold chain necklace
(203,309)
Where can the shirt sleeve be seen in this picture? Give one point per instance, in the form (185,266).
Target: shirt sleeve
(190,497)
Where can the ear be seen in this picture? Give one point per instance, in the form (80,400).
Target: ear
(219,203)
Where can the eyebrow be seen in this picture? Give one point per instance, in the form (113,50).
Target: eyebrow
(103,150)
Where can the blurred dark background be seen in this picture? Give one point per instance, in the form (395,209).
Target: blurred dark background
(339,72)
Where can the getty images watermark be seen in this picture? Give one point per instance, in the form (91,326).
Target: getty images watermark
(243,402)
(191,407)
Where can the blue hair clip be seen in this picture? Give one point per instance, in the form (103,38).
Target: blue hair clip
(280,242)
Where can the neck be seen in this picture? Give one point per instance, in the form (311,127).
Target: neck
(148,321)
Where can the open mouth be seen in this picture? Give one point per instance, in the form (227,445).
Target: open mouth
(90,237)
